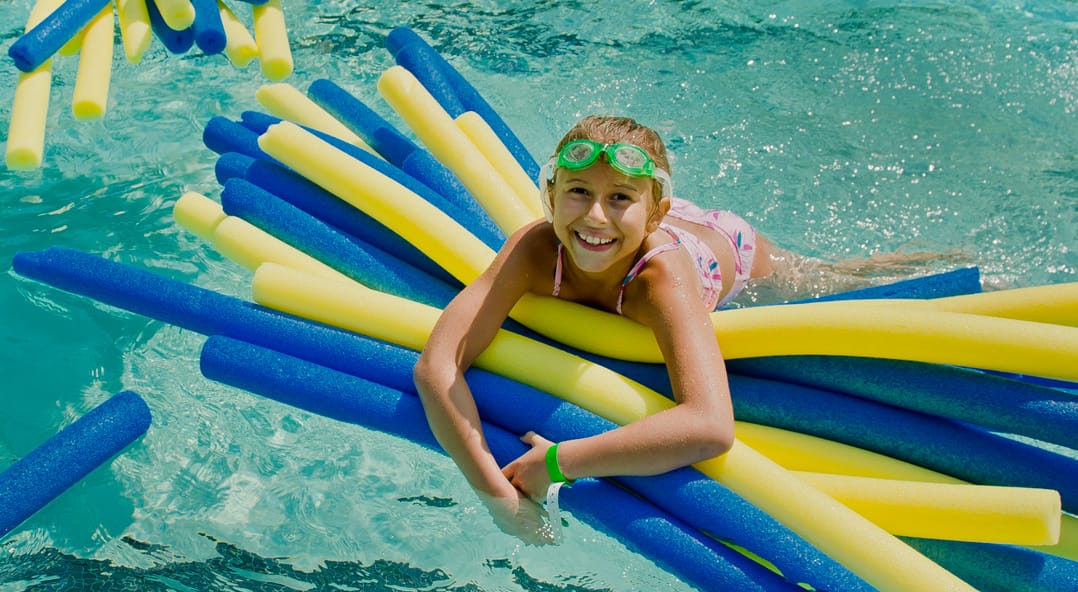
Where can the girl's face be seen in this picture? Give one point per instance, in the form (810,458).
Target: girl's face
(602,217)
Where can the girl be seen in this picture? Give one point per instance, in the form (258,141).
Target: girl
(615,239)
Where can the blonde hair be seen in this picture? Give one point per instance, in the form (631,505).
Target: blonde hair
(608,129)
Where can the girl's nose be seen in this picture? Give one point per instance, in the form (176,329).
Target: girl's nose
(596,211)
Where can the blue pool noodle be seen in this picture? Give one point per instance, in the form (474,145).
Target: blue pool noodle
(990,401)
(232,165)
(362,262)
(210,313)
(693,556)
(467,94)
(964,280)
(174,41)
(39,44)
(1001,568)
(222,135)
(62,460)
(208,29)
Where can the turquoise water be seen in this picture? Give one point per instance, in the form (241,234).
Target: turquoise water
(839,128)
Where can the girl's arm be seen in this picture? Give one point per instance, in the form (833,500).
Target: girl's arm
(700,426)
(463,331)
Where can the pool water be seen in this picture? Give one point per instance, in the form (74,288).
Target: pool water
(840,129)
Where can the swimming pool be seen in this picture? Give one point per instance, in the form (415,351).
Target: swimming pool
(839,128)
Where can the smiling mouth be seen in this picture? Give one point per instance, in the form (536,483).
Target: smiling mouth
(591,241)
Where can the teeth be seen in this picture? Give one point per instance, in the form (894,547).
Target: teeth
(594,240)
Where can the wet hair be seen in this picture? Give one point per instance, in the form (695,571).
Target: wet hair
(607,129)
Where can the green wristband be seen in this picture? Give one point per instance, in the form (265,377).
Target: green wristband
(552,467)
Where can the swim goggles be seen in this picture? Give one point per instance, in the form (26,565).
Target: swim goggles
(628,159)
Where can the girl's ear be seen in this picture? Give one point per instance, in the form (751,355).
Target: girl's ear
(658,214)
(546,199)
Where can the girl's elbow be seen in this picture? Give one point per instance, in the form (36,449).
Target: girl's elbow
(716,437)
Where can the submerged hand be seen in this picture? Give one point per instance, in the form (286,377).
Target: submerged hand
(528,473)
(520,517)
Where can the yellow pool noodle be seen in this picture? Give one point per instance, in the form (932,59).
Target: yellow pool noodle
(91,95)
(177,14)
(486,140)
(1057,303)
(30,107)
(240,46)
(407,96)
(198,214)
(796,451)
(135,28)
(879,558)
(242,241)
(287,102)
(979,513)
(275,54)
(382,198)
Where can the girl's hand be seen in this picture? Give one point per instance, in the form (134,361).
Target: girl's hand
(528,473)
(520,517)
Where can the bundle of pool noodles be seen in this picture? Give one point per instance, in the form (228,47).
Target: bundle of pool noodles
(238,164)
(87,27)
(62,460)
(250,177)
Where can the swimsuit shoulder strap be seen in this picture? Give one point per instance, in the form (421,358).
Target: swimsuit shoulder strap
(640,263)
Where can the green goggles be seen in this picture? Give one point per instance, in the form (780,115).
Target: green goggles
(628,159)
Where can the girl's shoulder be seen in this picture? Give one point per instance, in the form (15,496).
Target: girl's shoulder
(532,251)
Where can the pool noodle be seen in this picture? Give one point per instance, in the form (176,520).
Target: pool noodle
(275,55)
(49,33)
(399,150)
(240,46)
(176,41)
(482,136)
(1001,568)
(232,165)
(364,263)
(341,396)
(450,146)
(30,106)
(817,328)
(177,14)
(961,281)
(91,94)
(975,513)
(198,214)
(285,101)
(222,135)
(817,517)
(211,313)
(467,94)
(209,29)
(135,30)
(65,458)
(997,403)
